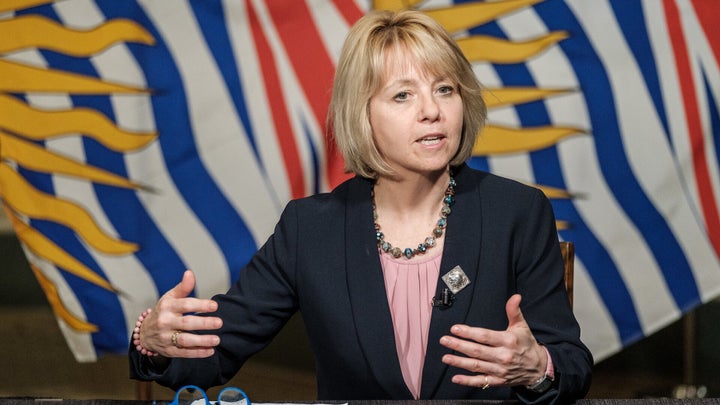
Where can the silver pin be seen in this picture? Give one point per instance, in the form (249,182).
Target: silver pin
(456,279)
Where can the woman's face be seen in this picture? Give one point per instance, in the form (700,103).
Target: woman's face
(416,117)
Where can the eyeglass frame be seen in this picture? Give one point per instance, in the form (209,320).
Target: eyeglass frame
(205,395)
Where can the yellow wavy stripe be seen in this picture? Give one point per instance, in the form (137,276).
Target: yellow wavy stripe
(20,78)
(555,193)
(514,95)
(31,156)
(15,5)
(40,125)
(57,305)
(460,16)
(562,225)
(394,4)
(468,15)
(500,140)
(34,31)
(48,250)
(22,197)
(488,49)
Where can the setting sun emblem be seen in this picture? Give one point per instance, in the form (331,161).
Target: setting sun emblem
(24,128)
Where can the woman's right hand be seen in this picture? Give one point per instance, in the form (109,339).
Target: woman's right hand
(168,331)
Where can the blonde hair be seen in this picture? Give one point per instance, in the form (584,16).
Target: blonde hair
(360,74)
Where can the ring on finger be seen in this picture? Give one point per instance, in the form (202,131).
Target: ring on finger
(487,383)
(174,339)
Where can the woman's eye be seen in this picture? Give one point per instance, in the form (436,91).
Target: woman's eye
(403,95)
(446,89)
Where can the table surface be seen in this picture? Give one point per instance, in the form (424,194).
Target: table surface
(645,401)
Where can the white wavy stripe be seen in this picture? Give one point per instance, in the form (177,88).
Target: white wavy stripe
(703,63)
(300,113)
(597,328)
(665,62)
(648,151)
(226,154)
(647,155)
(552,70)
(166,206)
(80,343)
(258,106)
(582,174)
(672,99)
(519,26)
(515,166)
(123,272)
(330,25)
(597,206)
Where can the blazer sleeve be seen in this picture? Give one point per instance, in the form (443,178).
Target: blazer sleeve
(253,310)
(545,305)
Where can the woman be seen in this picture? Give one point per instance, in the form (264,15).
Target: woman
(418,278)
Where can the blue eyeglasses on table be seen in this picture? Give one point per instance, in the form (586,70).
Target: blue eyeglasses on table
(191,394)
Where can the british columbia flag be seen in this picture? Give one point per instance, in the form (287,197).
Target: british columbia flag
(140,138)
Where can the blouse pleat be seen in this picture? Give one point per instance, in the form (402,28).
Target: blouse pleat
(410,287)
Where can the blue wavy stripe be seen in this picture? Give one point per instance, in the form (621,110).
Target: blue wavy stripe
(612,157)
(176,140)
(714,114)
(547,171)
(101,307)
(210,17)
(631,20)
(315,159)
(123,207)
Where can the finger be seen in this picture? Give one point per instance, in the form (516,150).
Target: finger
(470,364)
(188,306)
(189,345)
(486,337)
(479,381)
(185,287)
(467,347)
(188,340)
(514,314)
(192,322)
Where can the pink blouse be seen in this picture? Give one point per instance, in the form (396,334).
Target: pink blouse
(410,288)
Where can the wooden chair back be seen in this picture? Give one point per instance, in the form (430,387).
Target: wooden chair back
(568,255)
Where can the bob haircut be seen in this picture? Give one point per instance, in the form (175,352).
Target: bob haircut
(360,73)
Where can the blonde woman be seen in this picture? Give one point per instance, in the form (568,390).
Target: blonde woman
(418,278)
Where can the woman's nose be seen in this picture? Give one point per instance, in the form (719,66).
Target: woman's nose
(429,109)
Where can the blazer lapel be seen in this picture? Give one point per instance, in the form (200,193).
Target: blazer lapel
(462,248)
(368,299)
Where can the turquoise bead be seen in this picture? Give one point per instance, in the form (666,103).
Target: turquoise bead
(409,253)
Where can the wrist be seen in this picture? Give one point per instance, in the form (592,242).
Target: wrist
(136,335)
(543,383)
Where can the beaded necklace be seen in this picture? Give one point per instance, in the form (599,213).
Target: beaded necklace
(409,253)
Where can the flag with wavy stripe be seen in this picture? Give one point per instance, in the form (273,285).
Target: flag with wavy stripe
(139,138)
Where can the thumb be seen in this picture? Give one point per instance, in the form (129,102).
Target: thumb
(512,309)
(185,287)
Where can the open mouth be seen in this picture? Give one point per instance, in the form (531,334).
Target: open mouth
(431,140)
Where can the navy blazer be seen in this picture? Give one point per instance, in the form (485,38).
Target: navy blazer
(323,260)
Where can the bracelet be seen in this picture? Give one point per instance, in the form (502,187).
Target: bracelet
(136,334)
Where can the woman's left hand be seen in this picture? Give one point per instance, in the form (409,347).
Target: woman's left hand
(509,357)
